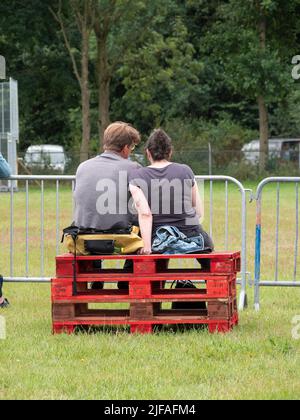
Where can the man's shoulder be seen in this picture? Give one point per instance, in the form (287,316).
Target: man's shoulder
(136,170)
(133,165)
(123,164)
(82,167)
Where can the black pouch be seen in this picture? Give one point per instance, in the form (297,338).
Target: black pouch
(71,231)
(100,247)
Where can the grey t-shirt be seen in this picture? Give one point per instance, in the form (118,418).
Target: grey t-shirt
(169,193)
(102,194)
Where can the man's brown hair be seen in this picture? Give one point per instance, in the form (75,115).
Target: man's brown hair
(120,134)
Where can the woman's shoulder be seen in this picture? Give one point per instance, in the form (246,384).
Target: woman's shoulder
(184,169)
(143,170)
(182,166)
(137,170)
(137,173)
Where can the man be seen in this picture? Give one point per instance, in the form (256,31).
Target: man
(5,172)
(101,194)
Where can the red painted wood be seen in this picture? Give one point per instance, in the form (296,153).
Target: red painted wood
(161,277)
(213,256)
(120,322)
(146,326)
(145,293)
(63,329)
(220,327)
(120,298)
(141,329)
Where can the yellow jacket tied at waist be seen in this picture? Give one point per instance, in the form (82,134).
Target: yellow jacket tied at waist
(124,243)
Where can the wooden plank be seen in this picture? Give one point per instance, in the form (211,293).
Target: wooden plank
(220,263)
(141,311)
(108,277)
(63,312)
(110,299)
(217,325)
(154,257)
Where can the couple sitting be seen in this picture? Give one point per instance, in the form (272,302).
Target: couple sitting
(111,191)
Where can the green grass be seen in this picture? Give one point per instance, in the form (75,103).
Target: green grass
(258,360)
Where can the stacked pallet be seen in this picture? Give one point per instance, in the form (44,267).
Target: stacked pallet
(146,294)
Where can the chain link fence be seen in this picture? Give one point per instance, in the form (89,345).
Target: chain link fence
(236,163)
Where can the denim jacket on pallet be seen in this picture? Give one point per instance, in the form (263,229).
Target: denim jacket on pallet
(170,241)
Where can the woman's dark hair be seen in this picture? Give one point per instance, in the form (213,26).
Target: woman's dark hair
(159,145)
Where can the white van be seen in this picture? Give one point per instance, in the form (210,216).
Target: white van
(46,157)
(284,149)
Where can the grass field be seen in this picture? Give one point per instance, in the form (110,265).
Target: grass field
(260,359)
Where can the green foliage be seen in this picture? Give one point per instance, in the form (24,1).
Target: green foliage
(159,76)
(285,119)
(194,67)
(223,134)
(226,138)
(37,59)
(248,69)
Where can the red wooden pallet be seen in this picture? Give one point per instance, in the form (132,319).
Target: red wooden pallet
(146,293)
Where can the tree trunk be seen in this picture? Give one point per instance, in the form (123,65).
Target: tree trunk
(83,15)
(104,105)
(264,133)
(104,80)
(85,99)
(263,109)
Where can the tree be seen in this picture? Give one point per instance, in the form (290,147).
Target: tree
(82,14)
(151,63)
(119,24)
(36,58)
(252,39)
(161,75)
(116,25)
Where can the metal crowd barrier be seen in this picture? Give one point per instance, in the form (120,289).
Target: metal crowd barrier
(243,302)
(291,258)
(37,238)
(24,184)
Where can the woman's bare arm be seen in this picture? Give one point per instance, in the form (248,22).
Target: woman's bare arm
(145,218)
(197,202)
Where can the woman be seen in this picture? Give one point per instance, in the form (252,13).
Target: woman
(167,199)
